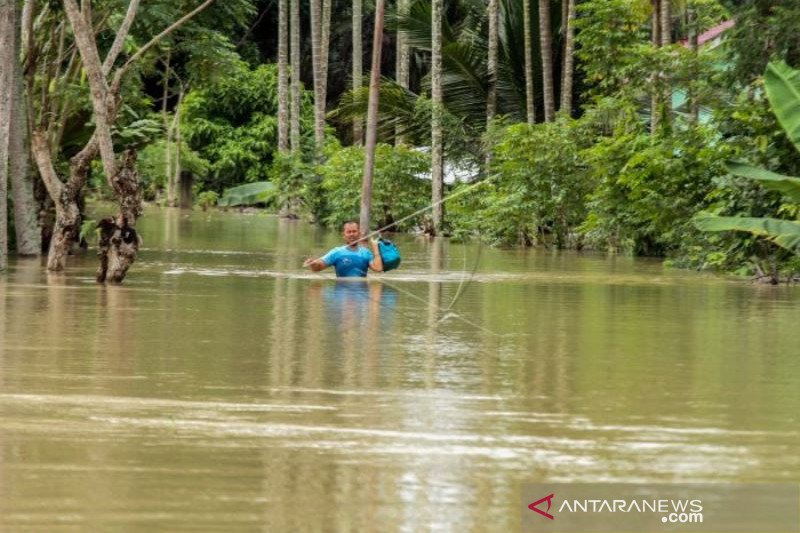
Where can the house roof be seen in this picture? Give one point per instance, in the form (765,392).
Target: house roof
(711,34)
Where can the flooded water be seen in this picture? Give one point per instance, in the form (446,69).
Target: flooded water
(224,388)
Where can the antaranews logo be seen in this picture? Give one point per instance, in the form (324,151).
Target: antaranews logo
(634,508)
(549,500)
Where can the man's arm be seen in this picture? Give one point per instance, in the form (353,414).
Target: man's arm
(377,261)
(315,264)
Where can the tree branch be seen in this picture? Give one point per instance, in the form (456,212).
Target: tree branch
(41,153)
(87,46)
(122,34)
(117,81)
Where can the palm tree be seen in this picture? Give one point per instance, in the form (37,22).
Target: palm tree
(358,55)
(437,169)
(295,89)
(569,57)
(283,76)
(546,45)
(402,68)
(529,103)
(372,116)
(491,100)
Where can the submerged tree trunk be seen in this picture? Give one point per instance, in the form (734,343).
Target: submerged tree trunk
(372,117)
(402,68)
(569,58)
(528,32)
(437,156)
(546,40)
(283,76)
(295,75)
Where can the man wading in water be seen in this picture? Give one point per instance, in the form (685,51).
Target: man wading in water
(351,260)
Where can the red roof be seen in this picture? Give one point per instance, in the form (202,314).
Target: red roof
(712,34)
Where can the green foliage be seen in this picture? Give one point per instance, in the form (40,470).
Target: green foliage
(207,199)
(784,233)
(538,186)
(648,188)
(88,227)
(232,124)
(782,84)
(259,192)
(398,189)
(152,165)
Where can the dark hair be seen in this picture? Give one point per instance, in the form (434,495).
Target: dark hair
(346,222)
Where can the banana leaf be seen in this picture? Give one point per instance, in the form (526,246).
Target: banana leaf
(787,185)
(782,83)
(784,233)
(259,192)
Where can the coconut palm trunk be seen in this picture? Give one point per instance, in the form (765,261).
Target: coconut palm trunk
(569,58)
(437,156)
(546,45)
(372,117)
(320,31)
(402,67)
(529,92)
(283,76)
(294,104)
(655,37)
(358,68)
(491,100)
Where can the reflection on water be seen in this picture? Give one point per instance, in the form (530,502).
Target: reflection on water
(223,387)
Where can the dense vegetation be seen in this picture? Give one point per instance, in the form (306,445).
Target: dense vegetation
(607,124)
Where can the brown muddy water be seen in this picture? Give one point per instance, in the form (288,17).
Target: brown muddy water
(224,388)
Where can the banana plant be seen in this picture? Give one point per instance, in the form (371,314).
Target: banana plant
(782,84)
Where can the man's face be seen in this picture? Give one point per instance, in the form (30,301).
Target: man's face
(351,233)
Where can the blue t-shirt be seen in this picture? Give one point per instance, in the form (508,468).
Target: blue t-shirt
(348,262)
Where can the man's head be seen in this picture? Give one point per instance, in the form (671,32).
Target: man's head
(351,232)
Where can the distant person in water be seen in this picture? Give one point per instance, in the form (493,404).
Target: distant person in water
(351,260)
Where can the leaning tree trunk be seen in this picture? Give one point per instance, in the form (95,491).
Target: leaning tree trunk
(569,58)
(402,67)
(372,117)
(437,156)
(546,40)
(666,39)
(358,70)
(283,76)
(528,32)
(294,109)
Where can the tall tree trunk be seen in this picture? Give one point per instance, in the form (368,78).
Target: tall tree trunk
(694,103)
(358,70)
(655,98)
(437,156)
(172,192)
(7,60)
(316,65)
(491,64)
(666,23)
(372,117)
(528,32)
(402,67)
(295,110)
(176,175)
(569,58)
(26,218)
(283,76)
(546,40)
